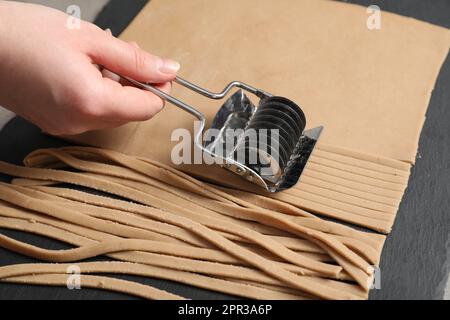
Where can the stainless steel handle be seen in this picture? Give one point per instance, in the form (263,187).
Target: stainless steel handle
(200,116)
(216,96)
(168,98)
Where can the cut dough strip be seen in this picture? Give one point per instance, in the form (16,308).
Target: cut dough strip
(229,287)
(239,212)
(106,187)
(364,173)
(180,180)
(364,207)
(150,170)
(316,167)
(380,225)
(265,202)
(182,264)
(312,221)
(345,198)
(284,223)
(307,182)
(374,240)
(76,235)
(266,242)
(46,255)
(96,282)
(400,165)
(283,275)
(350,204)
(135,220)
(352,185)
(358,163)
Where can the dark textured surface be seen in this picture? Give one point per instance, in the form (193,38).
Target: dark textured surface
(117,14)
(414,262)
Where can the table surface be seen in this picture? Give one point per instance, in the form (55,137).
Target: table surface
(415,262)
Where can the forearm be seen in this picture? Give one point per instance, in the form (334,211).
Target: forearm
(6,66)
(49,73)
(11,48)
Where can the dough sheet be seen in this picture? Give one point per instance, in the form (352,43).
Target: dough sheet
(369,88)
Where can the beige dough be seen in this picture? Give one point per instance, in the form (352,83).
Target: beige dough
(320,202)
(130,219)
(370,88)
(40,205)
(97,282)
(33,223)
(231,287)
(145,168)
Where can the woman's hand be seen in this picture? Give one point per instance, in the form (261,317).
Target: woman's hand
(50,74)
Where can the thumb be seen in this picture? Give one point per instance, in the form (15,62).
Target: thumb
(129,60)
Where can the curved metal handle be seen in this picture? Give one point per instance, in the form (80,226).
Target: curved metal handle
(168,98)
(217,96)
(200,116)
(178,103)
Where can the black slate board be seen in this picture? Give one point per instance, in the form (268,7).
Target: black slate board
(415,262)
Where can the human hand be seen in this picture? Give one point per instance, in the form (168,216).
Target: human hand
(50,75)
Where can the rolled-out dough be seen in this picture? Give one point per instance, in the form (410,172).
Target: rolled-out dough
(370,88)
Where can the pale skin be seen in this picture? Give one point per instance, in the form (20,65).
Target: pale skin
(54,76)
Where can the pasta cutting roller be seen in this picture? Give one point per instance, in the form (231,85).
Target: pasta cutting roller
(266,144)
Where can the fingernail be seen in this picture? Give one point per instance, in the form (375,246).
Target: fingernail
(169,66)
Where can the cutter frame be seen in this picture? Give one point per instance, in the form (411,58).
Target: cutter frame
(299,158)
